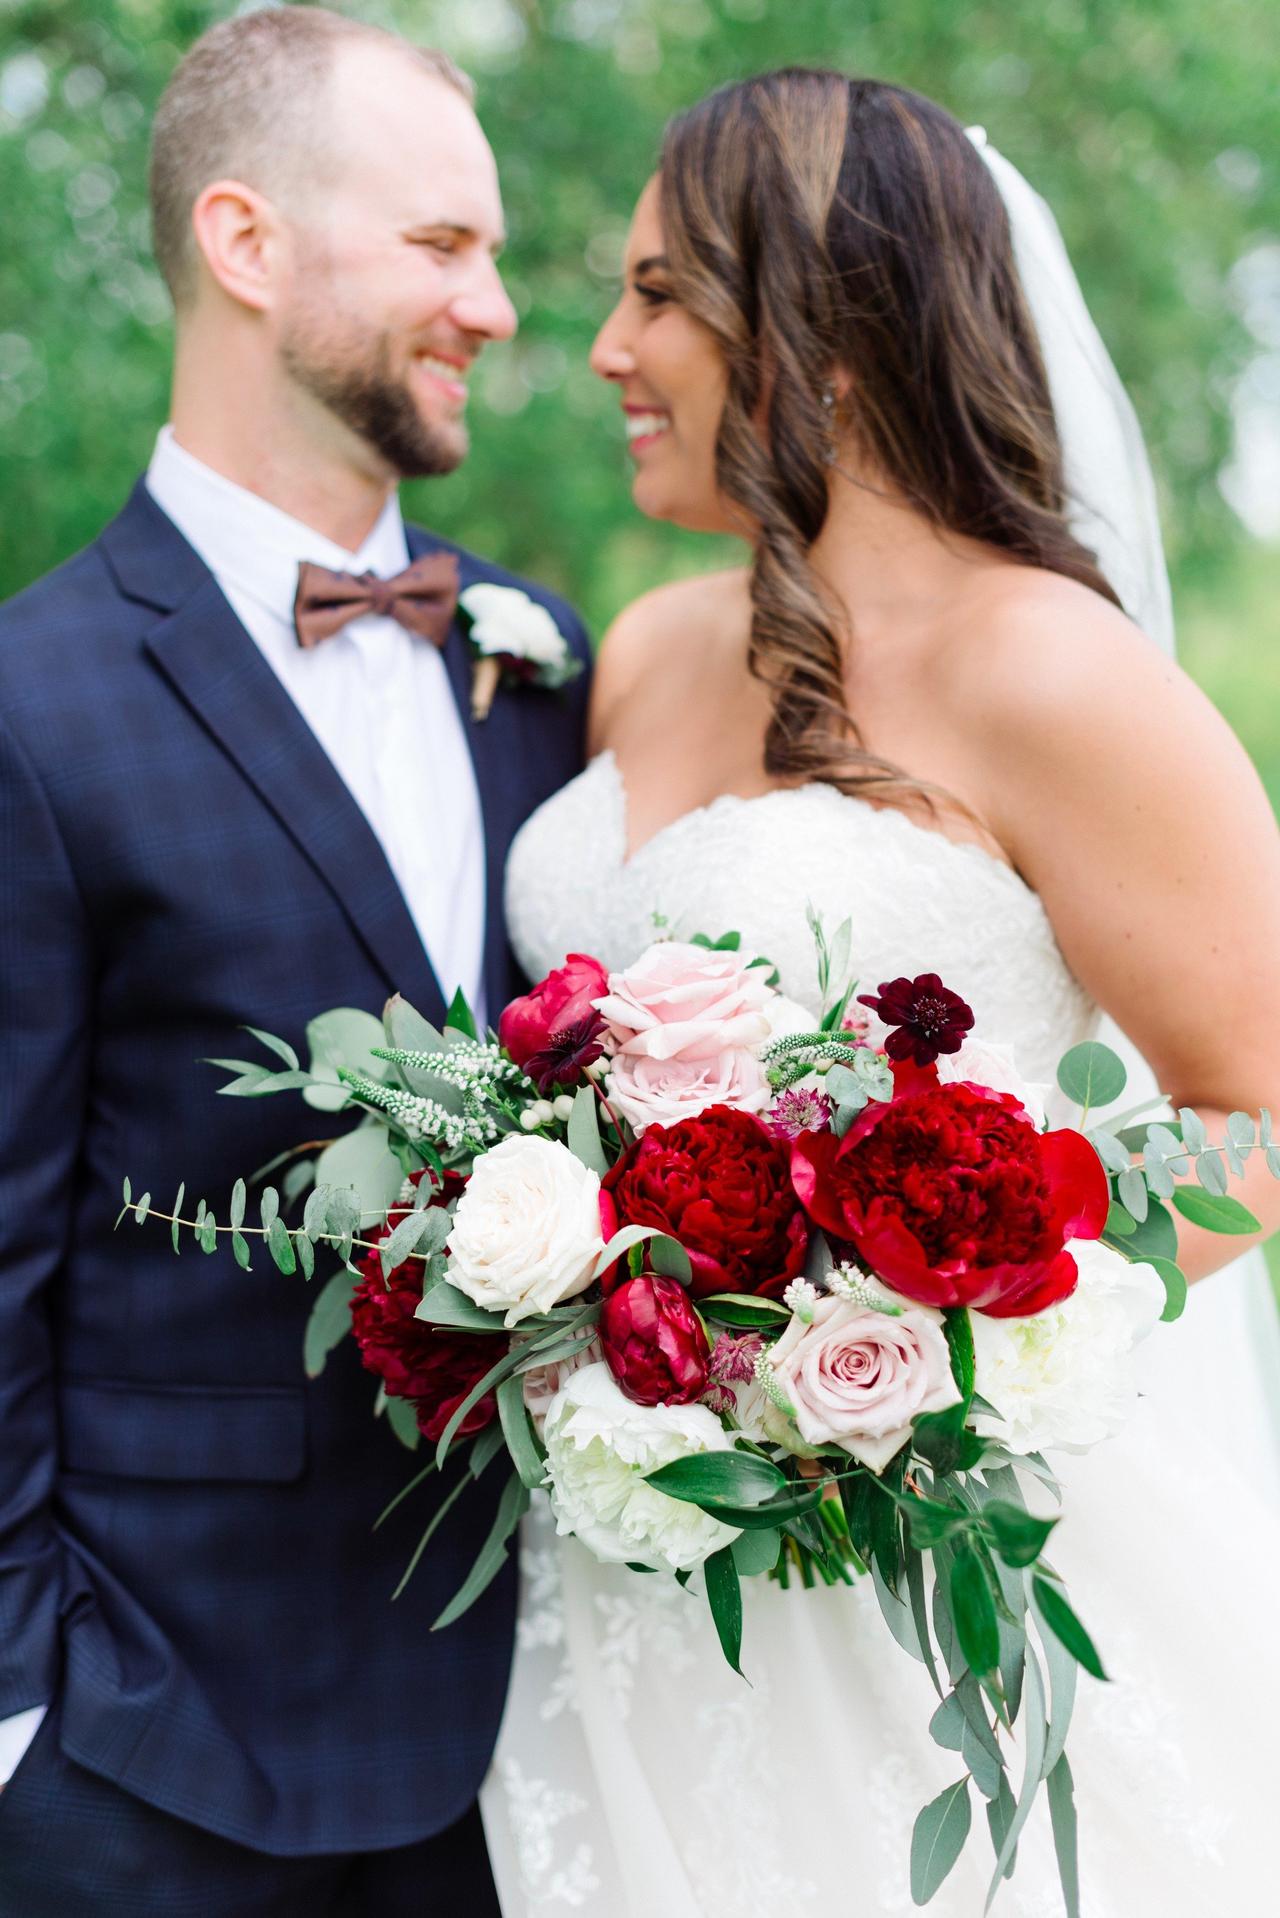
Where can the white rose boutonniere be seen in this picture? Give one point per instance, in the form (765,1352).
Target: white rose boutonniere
(511,633)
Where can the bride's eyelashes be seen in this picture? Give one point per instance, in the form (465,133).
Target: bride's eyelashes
(651,295)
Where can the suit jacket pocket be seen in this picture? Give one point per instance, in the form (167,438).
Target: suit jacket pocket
(122,1428)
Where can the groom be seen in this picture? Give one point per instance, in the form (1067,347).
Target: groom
(208,822)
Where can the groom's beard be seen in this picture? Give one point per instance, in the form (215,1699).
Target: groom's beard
(355,379)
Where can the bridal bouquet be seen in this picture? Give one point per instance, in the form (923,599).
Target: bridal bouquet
(752,1293)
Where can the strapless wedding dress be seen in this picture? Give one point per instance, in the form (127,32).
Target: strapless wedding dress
(636,1776)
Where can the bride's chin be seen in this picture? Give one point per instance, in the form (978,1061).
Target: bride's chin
(692,515)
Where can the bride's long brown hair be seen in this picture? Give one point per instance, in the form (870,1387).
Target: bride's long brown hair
(819,224)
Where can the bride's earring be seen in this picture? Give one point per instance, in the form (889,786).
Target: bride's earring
(827,398)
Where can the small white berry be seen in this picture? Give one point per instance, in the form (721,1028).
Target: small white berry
(562,1107)
(529,1119)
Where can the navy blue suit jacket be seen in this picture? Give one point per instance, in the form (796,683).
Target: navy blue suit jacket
(186,1555)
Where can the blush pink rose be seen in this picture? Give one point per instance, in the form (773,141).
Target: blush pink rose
(686,1002)
(856,1378)
(663,1091)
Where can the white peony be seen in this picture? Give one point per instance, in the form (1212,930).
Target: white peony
(543,1382)
(526,1232)
(994,1067)
(600,1446)
(787,1017)
(506,621)
(1064,1379)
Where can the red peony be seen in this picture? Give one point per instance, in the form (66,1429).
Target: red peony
(722,1186)
(555,1032)
(429,1364)
(654,1342)
(952,1197)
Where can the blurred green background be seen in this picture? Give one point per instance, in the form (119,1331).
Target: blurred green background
(1149,125)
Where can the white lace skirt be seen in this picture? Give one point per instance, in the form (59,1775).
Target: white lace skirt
(636,1775)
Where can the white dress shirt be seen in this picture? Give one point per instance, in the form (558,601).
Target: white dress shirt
(379,701)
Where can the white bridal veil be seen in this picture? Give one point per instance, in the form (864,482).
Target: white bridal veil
(1230,1330)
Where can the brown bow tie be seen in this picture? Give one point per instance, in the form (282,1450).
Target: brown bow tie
(421,599)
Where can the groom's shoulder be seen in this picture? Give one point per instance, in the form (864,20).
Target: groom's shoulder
(474,570)
(56,614)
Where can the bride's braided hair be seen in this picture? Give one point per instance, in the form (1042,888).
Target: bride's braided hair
(817,223)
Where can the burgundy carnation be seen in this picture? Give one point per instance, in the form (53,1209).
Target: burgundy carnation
(554,1032)
(950,1195)
(929,1018)
(720,1185)
(654,1342)
(428,1364)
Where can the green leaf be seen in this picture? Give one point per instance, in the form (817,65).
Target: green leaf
(1033,1739)
(973,1611)
(126,1191)
(1062,1814)
(142,1208)
(437,1519)
(269,1206)
(946,1727)
(240,1249)
(281,1049)
(959,1330)
(295,1182)
(1211,1171)
(517,1427)
(403,1420)
(744,1314)
(1175,1288)
(488,1383)
(1214,1213)
(1064,1673)
(446,1305)
(941,1438)
(207,1235)
(512,1507)
(407,1237)
(330,1321)
(280,1246)
(176,1226)
(315,1211)
(485,1447)
(363,1159)
(305,1253)
(345,1036)
(1001,1811)
(755,1552)
(668,1257)
(583,1132)
(460,1017)
(938,1839)
(1017,1535)
(719,1478)
(773,1513)
(1061,1620)
(1133,1193)
(920,1613)
(235,1214)
(931,1521)
(1120,1222)
(1109,1149)
(724,1595)
(1156,1237)
(1092,1074)
(622,1241)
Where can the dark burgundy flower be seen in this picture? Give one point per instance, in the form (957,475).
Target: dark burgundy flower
(431,1365)
(554,1032)
(949,1194)
(721,1185)
(929,1018)
(653,1342)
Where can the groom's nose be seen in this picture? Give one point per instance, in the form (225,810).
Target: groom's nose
(483,306)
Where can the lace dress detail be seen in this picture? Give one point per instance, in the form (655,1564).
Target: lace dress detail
(635,1774)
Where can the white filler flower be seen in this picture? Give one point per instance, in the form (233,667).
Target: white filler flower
(526,1233)
(599,1449)
(1064,1379)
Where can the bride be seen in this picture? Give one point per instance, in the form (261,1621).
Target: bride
(848,334)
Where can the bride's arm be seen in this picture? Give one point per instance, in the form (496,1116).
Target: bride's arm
(1126,801)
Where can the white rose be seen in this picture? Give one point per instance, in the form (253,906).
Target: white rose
(600,1447)
(994,1067)
(661,1091)
(505,620)
(526,1232)
(1064,1379)
(857,1377)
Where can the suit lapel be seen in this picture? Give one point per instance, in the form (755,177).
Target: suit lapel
(215,667)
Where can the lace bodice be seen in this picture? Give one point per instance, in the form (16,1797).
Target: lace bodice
(918,902)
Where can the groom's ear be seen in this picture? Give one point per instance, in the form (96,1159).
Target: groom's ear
(240,240)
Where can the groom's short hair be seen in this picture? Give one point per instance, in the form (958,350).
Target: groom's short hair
(247,103)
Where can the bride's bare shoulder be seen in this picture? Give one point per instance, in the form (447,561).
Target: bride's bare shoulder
(662,639)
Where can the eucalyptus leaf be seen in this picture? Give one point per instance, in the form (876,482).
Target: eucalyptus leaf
(207,1233)
(1132,1189)
(920,1613)
(897,1615)
(1159,1175)
(485,1447)
(142,1208)
(1063,1670)
(622,1241)
(344,1036)
(1091,1074)
(1062,1815)
(1114,1155)
(745,1314)
(1035,1727)
(404,1240)
(1211,1172)
(240,1251)
(235,1211)
(403,1420)
(295,1182)
(937,1839)
(1168,1146)
(488,1383)
(1194,1136)
(527,1454)
(756,1552)
(330,1321)
(946,1727)
(446,1305)
(363,1160)
(268,1206)
(280,1246)
(1175,1288)
(305,1253)
(668,1257)
(176,1225)
(986,1770)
